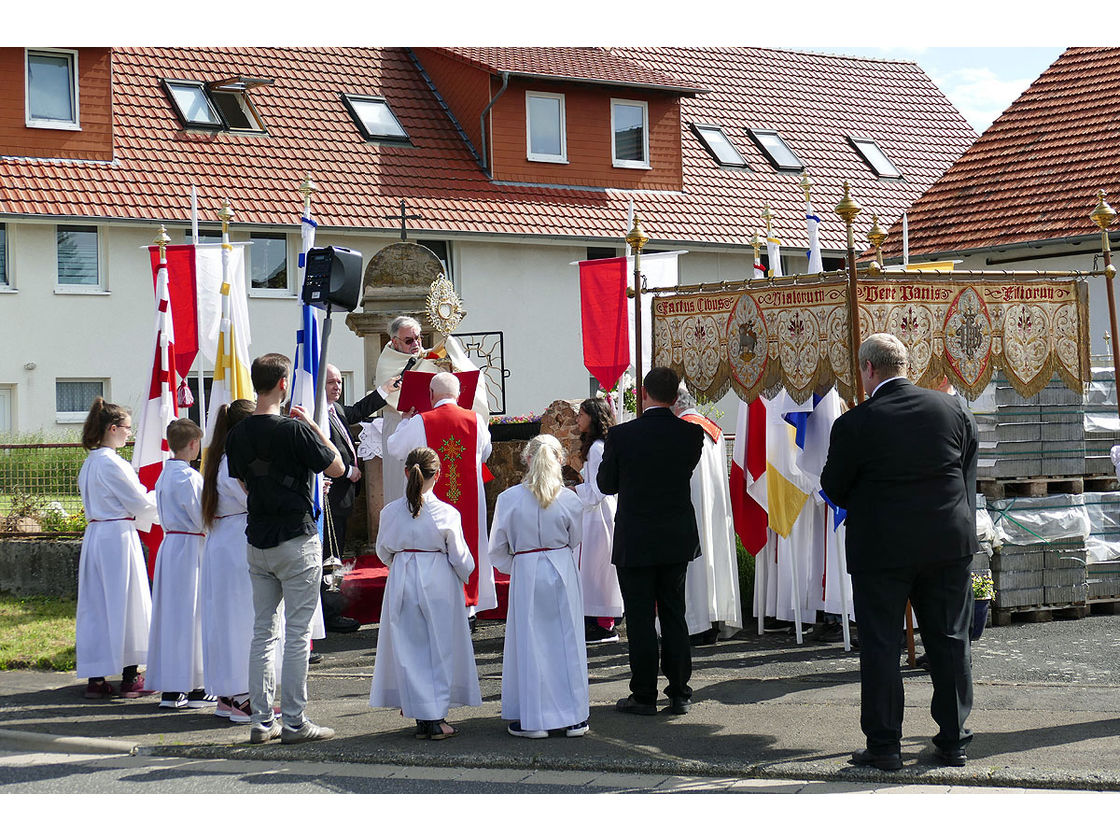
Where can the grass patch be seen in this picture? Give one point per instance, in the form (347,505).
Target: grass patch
(37,632)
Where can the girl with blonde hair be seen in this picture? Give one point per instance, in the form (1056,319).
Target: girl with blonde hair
(537,529)
(425,659)
(114,602)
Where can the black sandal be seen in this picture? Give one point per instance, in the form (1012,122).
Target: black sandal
(432,730)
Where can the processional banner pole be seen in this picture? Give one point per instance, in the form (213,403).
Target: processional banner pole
(636,239)
(847,210)
(1103,215)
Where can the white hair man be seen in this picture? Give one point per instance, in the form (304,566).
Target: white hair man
(711,586)
(461,438)
(405,351)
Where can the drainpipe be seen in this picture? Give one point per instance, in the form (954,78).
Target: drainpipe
(482,124)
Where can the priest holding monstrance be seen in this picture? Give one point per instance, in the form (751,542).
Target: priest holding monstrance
(405,351)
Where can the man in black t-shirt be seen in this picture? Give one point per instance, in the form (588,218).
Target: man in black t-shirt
(276,458)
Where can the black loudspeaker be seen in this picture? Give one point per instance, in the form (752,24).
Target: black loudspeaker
(334,276)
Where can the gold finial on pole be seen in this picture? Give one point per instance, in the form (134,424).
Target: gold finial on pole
(806,184)
(162,240)
(306,189)
(876,236)
(1104,215)
(767,216)
(225,214)
(847,210)
(637,239)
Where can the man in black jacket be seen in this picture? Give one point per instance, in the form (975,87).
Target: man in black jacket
(340,496)
(903,464)
(648,462)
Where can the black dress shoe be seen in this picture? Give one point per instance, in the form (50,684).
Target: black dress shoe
(708,637)
(677,706)
(472,622)
(314,659)
(342,624)
(633,707)
(949,758)
(880,761)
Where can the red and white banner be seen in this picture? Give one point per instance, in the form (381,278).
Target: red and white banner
(748,470)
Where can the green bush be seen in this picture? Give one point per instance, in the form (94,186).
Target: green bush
(746,577)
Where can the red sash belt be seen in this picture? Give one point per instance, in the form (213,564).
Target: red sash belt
(422,551)
(536,550)
(223,516)
(187,533)
(118,519)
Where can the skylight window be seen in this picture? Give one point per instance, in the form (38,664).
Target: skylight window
(374,118)
(880,164)
(776,150)
(718,145)
(220,105)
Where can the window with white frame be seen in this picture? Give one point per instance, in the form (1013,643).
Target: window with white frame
(374,118)
(5,281)
(630,133)
(880,164)
(7,419)
(73,397)
(545,127)
(52,89)
(78,257)
(268,262)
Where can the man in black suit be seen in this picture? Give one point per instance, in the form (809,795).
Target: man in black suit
(340,496)
(903,464)
(648,462)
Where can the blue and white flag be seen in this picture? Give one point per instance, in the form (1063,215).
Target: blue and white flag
(812,220)
(306,364)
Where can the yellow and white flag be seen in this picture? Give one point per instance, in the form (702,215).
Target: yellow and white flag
(231,356)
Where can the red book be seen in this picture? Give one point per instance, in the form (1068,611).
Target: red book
(415,390)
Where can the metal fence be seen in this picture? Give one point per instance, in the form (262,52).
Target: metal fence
(39,488)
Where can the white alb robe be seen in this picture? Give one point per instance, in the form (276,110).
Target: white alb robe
(544,664)
(389,364)
(114,605)
(425,660)
(411,434)
(711,585)
(602,597)
(175,640)
(227,594)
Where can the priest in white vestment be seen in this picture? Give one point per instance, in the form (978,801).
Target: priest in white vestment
(404,347)
(425,659)
(712,582)
(537,530)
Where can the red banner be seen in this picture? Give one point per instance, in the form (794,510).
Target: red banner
(182,289)
(606,332)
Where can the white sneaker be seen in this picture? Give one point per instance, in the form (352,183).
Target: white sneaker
(516,731)
(262,734)
(576,730)
(308,732)
(171,700)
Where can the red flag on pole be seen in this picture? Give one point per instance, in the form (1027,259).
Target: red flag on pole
(606,333)
(182,291)
(748,467)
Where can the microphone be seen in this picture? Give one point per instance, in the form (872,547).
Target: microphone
(409,366)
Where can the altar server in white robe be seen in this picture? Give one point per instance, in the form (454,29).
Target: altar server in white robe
(114,605)
(175,640)
(602,598)
(537,529)
(711,586)
(227,593)
(425,660)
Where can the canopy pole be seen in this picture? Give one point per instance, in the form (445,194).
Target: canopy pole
(1103,215)
(636,239)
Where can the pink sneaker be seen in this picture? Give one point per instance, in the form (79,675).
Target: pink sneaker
(100,690)
(135,689)
(224,708)
(241,712)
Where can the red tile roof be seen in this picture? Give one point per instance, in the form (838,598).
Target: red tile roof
(813,100)
(1033,175)
(587,64)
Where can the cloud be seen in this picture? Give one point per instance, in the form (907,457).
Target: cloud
(979,94)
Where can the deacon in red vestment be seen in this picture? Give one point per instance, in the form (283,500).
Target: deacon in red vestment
(461,438)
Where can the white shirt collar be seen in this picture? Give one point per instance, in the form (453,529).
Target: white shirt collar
(884,382)
(445,400)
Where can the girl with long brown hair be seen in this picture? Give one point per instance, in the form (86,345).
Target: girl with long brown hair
(425,660)
(114,603)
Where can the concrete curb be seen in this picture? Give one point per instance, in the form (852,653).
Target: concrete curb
(14,739)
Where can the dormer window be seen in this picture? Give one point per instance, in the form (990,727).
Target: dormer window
(629,134)
(222,105)
(546,137)
(52,89)
(780,155)
(869,150)
(718,145)
(374,118)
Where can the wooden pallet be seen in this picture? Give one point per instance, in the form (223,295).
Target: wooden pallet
(1101,484)
(1011,488)
(1109,606)
(1003,616)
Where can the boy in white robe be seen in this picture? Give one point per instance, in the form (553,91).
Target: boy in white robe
(175,641)
(425,660)
(538,525)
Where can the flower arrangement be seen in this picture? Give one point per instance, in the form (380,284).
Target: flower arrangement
(983,587)
(515,418)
